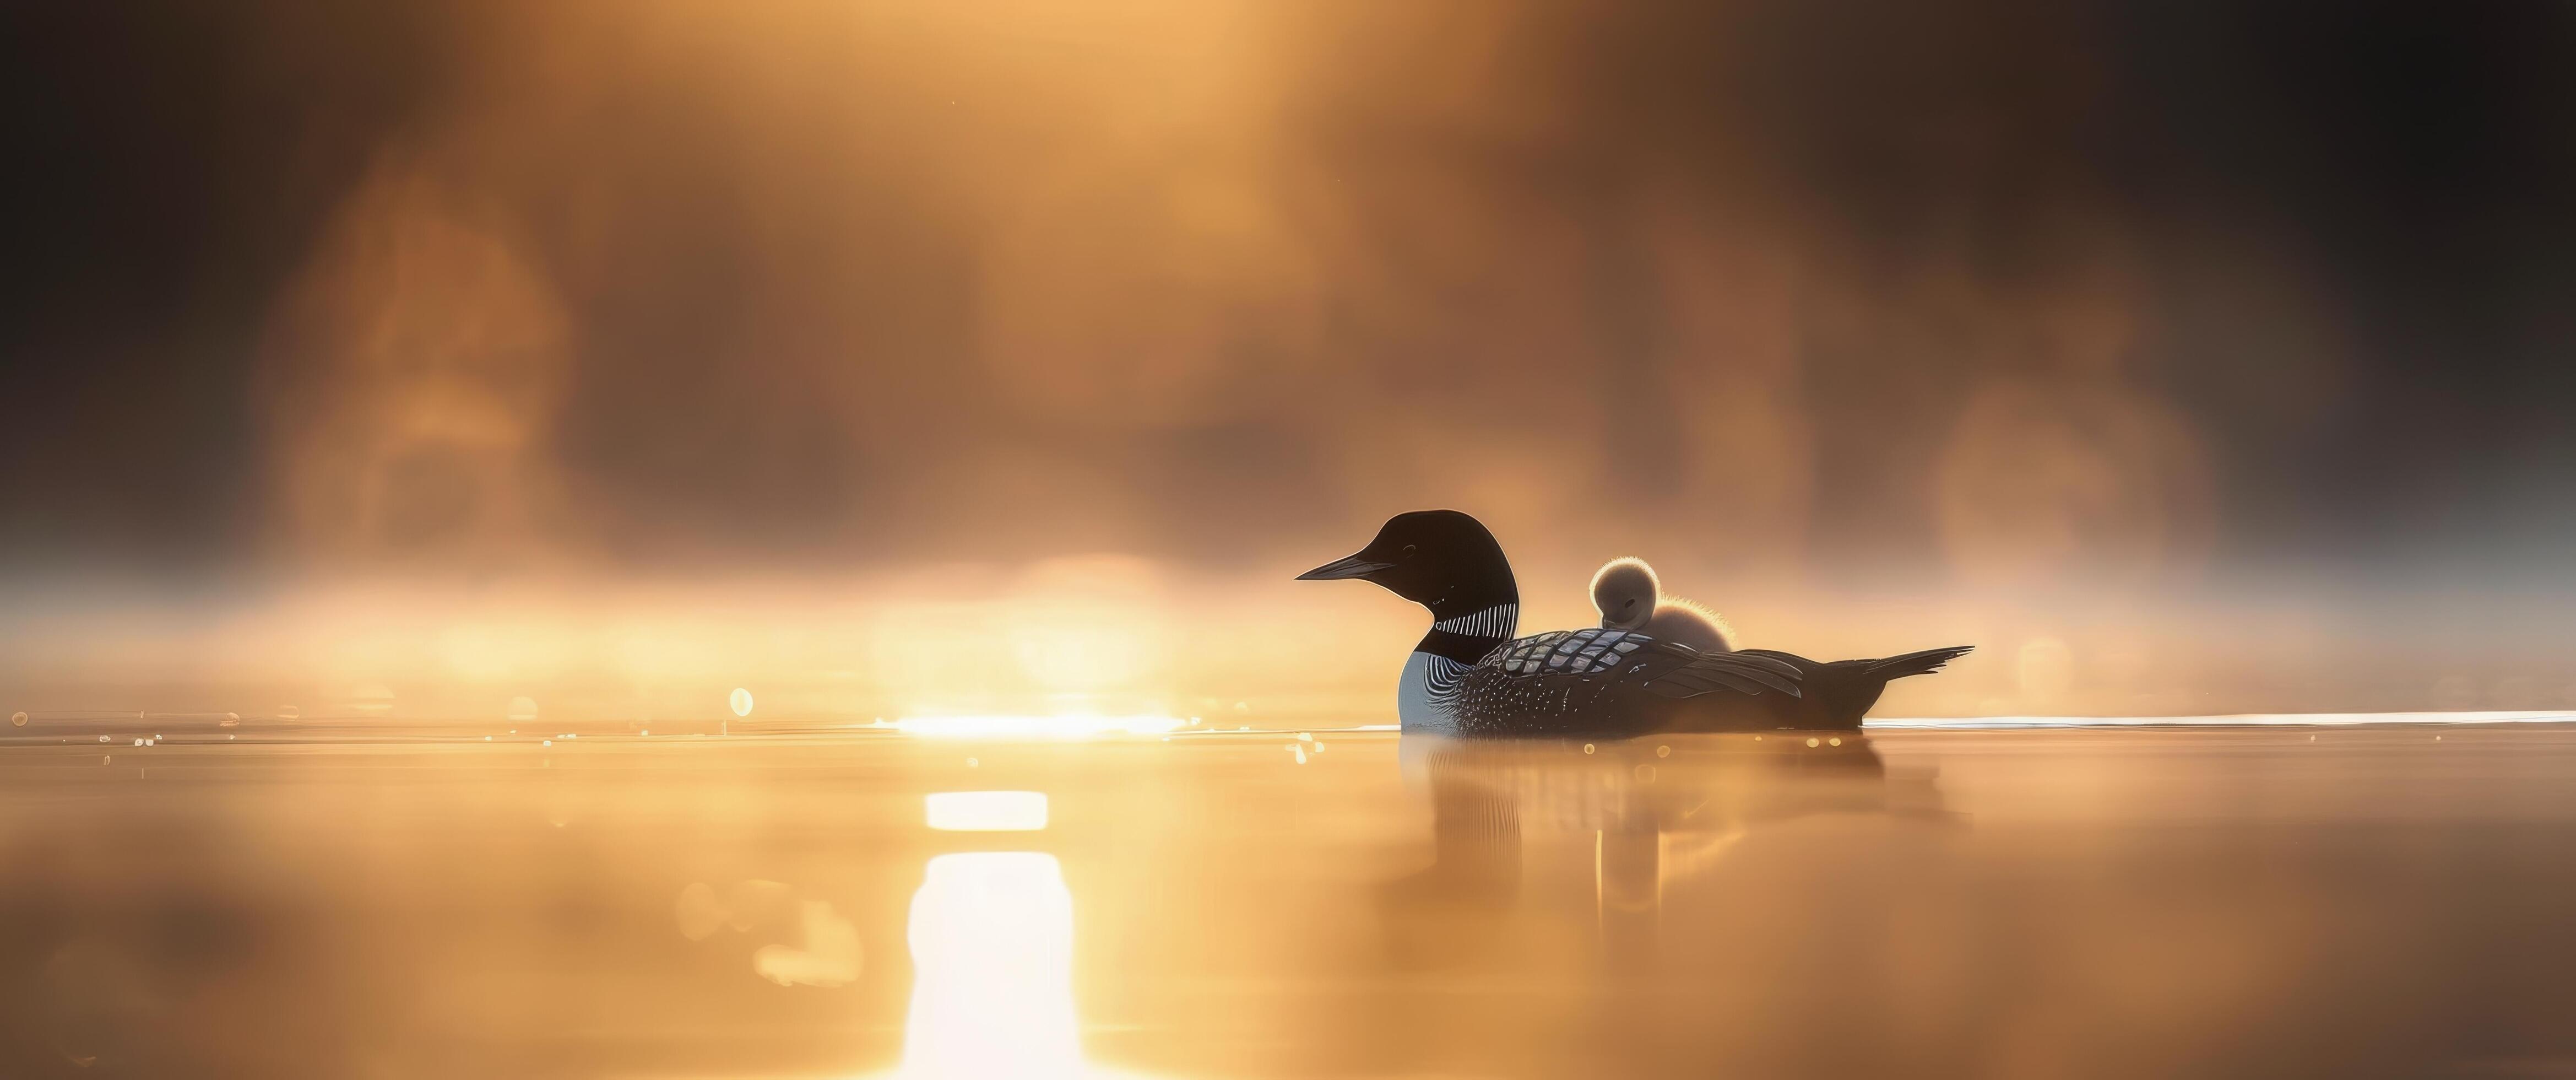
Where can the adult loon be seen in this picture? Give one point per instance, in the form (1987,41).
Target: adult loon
(1470,676)
(1630,597)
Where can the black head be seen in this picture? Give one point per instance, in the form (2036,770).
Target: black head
(1441,559)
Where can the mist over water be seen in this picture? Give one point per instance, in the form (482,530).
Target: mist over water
(545,349)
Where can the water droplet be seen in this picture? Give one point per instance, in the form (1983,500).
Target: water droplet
(698,911)
(741,701)
(1835,741)
(1587,748)
(18,719)
(1813,742)
(1666,751)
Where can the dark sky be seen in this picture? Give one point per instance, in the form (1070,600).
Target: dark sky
(1898,288)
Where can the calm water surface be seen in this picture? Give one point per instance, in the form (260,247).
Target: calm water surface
(280,902)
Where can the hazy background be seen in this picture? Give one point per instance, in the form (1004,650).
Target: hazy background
(2188,357)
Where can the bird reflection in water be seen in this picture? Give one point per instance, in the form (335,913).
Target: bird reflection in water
(1654,811)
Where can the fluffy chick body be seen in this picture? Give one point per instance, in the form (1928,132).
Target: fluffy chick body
(1630,597)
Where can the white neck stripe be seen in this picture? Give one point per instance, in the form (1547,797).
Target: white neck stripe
(1497,621)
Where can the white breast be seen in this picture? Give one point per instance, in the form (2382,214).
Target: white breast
(1425,698)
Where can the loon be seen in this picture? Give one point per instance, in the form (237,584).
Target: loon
(1470,676)
(1630,597)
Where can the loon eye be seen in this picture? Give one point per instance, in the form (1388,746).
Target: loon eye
(1408,551)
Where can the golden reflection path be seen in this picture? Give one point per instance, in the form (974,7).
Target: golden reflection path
(991,934)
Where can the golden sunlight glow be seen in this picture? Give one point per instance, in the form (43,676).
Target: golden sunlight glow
(992,953)
(986,811)
(1074,726)
(1079,655)
(992,957)
(1085,623)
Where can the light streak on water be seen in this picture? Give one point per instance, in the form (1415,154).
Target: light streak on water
(1073,726)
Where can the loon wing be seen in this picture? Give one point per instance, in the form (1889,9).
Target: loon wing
(1679,671)
(1668,668)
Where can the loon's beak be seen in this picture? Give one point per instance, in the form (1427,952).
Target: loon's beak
(1340,569)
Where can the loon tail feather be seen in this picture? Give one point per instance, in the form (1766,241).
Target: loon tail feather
(1916,663)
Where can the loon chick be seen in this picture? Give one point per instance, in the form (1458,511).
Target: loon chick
(1470,676)
(1630,597)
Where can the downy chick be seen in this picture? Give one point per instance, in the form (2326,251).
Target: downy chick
(1631,598)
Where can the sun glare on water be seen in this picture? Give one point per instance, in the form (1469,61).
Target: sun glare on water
(991,934)
(1071,726)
